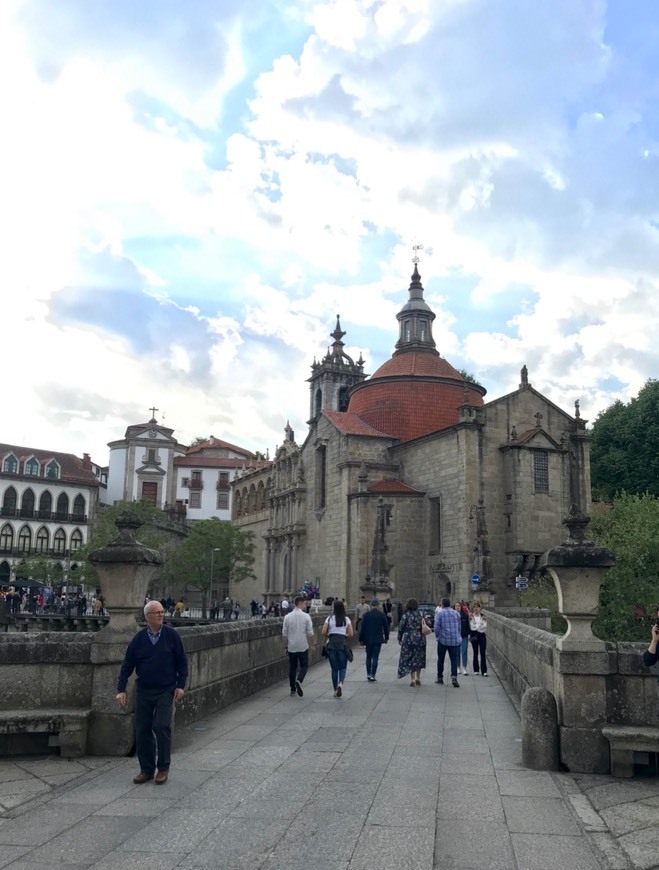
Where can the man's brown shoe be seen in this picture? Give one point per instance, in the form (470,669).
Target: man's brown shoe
(161,777)
(142,778)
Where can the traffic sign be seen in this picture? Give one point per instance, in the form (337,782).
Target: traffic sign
(476,579)
(521,582)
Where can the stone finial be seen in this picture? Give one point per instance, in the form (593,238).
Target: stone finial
(513,434)
(576,523)
(577,412)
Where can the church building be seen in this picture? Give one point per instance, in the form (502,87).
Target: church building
(408,483)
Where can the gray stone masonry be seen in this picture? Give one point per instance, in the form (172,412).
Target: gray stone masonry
(389,776)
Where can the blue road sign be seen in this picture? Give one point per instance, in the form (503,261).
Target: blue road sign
(476,579)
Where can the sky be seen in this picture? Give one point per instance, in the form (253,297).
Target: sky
(191,192)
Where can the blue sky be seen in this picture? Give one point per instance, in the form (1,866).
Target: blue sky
(192,192)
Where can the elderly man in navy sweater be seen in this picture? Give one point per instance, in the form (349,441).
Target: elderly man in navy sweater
(156,653)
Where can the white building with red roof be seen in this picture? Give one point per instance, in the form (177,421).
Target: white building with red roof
(48,500)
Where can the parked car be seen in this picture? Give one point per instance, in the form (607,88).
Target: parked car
(428,611)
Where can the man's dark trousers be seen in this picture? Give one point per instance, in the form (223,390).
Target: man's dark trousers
(454,656)
(153,728)
(372,658)
(296,659)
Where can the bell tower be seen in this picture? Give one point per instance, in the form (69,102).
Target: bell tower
(332,377)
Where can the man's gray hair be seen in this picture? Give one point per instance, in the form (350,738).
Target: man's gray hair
(149,603)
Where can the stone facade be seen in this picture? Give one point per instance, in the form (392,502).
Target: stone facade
(410,483)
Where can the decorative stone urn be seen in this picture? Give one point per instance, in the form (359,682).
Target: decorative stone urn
(578,567)
(125,568)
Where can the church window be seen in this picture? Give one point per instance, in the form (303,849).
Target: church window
(540,471)
(435,525)
(59,542)
(25,539)
(43,539)
(9,503)
(62,506)
(318,402)
(423,329)
(343,399)
(321,477)
(194,502)
(52,470)
(32,467)
(6,538)
(406,330)
(76,540)
(151,455)
(10,465)
(45,505)
(27,504)
(79,507)
(223,501)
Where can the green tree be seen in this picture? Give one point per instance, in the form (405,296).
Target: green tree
(631,529)
(216,543)
(467,376)
(151,534)
(625,446)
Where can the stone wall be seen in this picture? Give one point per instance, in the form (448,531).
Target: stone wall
(48,671)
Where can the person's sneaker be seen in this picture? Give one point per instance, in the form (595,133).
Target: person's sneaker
(373,680)
(456,684)
(339,691)
(476,674)
(370,679)
(298,688)
(440,681)
(292,691)
(484,675)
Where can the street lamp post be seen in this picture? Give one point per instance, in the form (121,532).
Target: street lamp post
(214,550)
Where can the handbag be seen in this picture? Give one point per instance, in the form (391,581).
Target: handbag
(349,653)
(425,628)
(323,652)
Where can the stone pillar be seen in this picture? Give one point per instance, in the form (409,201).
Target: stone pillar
(582,661)
(539,730)
(125,567)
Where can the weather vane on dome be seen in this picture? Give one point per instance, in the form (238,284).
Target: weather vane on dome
(416,249)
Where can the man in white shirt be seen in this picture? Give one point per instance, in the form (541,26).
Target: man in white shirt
(296,630)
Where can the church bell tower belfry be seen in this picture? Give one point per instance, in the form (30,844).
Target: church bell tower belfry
(332,377)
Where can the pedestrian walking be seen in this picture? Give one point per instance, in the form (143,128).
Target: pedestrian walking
(447,632)
(338,628)
(464,635)
(297,629)
(373,632)
(412,642)
(478,627)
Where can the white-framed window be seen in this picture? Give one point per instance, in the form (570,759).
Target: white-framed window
(52,470)
(223,501)
(194,502)
(10,465)
(32,467)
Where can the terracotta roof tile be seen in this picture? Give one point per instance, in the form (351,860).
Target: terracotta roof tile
(71,467)
(351,424)
(394,486)
(413,364)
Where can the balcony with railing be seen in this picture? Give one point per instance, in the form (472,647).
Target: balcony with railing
(195,483)
(16,552)
(48,516)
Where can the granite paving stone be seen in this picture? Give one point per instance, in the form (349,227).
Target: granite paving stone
(624,818)
(527,783)
(86,842)
(552,852)
(462,844)
(407,850)
(538,815)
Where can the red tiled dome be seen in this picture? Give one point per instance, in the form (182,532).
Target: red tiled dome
(412,394)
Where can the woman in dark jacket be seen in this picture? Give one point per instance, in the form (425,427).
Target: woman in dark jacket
(412,643)
(464,634)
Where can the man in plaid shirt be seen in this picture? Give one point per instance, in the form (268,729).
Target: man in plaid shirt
(447,632)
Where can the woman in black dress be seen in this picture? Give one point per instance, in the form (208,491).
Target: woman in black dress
(412,643)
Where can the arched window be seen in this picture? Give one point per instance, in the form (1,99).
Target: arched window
(45,505)
(24,539)
(6,538)
(10,465)
(62,506)
(52,470)
(9,502)
(42,541)
(32,467)
(76,540)
(59,542)
(27,504)
(79,507)
(319,401)
(343,399)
